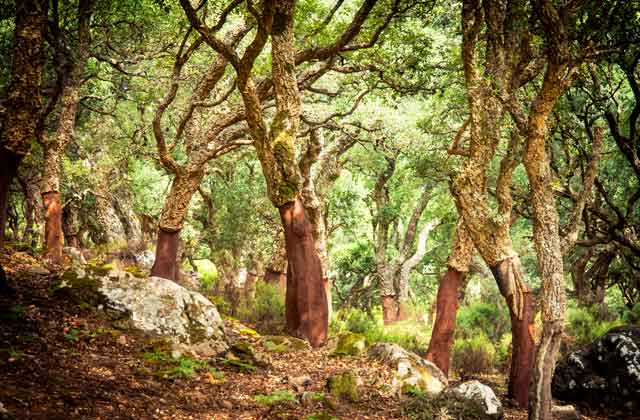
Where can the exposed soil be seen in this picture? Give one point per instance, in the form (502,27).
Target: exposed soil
(67,359)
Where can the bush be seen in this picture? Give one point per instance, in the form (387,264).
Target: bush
(473,356)
(266,311)
(503,352)
(411,335)
(585,325)
(493,320)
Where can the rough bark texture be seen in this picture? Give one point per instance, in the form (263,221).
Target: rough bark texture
(547,244)
(23,102)
(307,312)
(448,299)
(506,39)
(73,64)
(165,264)
(53,236)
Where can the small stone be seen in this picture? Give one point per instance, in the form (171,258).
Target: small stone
(565,412)
(226,404)
(122,340)
(299,383)
(3,410)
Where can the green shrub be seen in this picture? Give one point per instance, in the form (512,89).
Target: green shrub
(208,274)
(473,356)
(410,334)
(584,325)
(492,320)
(503,351)
(266,311)
(631,316)
(274,397)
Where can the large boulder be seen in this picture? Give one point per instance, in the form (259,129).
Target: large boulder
(157,305)
(483,395)
(606,373)
(412,371)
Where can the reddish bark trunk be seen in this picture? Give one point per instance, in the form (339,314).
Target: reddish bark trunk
(53,236)
(306,299)
(9,163)
(166,263)
(389,311)
(522,331)
(445,325)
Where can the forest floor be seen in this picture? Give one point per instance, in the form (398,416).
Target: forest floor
(65,360)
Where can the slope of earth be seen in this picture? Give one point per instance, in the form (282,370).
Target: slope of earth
(64,358)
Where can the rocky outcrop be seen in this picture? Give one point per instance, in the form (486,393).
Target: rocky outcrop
(158,306)
(483,396)
(605,373)
(348,344)
(411,369)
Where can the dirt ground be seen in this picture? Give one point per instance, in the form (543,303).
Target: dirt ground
(64,359)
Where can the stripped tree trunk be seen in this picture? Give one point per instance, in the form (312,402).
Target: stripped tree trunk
(54,147)
(447,300)
(174,214)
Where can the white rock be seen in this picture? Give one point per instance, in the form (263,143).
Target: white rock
(411,369)
(474,390)
(163,307)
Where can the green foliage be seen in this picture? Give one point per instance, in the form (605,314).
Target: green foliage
(473,356)
(631,316)
(266,311)
(480,317)
(584,325)
(169,367)
(410,334)
(243,367)
(274,397)
(184,367)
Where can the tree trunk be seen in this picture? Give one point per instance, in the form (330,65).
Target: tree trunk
(165,264)
(23,101)
(53,236)
(448,299)
(546,239)
(439,350)
(71,225)
(174,213)
(389,309)
(307,313)
(508,274)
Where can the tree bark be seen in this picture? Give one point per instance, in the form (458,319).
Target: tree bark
(508,274)
(439,351)
(448,299)
(53,236)
(307,312)
(165,264)
(23,95)
(174,213)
